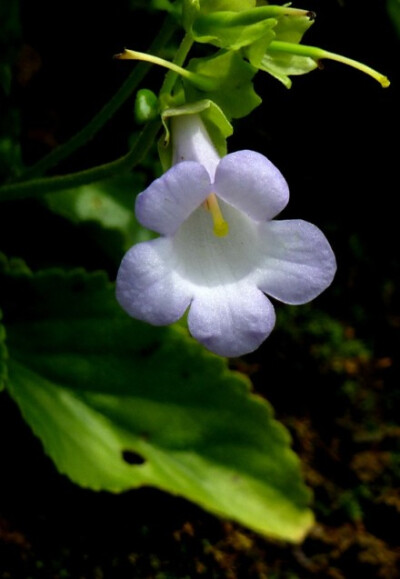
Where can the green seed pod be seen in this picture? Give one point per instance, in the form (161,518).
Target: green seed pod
(146,106)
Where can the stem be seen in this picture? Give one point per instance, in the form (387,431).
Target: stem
(318,54)
(179,59)
(198,80)
(41,186)
(98,121)
(143,56)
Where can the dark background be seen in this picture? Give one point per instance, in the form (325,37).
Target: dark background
(334,136)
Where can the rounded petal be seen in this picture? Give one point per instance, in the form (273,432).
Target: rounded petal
(169,200)
(231,320)
(147,287)
(298,261)
(252,184)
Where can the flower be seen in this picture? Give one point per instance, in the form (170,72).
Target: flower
(219,250)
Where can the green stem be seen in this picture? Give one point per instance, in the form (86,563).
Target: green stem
(40,186)
(318,54)
(179,59)
(197,79)
(98,121)
(144,57)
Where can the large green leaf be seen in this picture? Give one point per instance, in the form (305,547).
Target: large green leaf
(108,202)
(108,205)
(120,404)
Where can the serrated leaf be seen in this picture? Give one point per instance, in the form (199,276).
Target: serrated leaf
(119,404)
(234,92)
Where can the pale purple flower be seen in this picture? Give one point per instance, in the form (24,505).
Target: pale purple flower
(220,251)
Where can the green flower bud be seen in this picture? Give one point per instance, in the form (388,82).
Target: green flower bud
(146,106)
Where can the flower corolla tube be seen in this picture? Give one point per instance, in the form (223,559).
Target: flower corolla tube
(220,251)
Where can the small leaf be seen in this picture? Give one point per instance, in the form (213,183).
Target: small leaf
(292,28)
(282,66)
(218,127)
(234,92)
(119,404)
(230,29)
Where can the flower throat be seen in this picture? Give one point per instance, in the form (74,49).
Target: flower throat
(221,227)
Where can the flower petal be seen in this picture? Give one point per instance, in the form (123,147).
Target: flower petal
(147,287)
(169,200)
(231,320)
(298,262)
(252,184)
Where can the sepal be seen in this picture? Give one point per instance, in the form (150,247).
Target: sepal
(217,124)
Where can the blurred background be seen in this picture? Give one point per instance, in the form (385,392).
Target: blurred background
(330,369)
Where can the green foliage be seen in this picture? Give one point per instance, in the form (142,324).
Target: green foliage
(231,30)
(279,65)
(190,10)
(108,204)
(119,404)
(332,343)
(220,5)
(232,76)
(253,30)
(282,66)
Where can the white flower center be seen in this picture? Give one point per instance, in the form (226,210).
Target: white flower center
(206,259)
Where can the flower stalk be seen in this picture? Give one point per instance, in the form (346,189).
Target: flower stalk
(277,46)
(200,81)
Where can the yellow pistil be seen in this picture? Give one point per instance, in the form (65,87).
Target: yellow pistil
(221,227)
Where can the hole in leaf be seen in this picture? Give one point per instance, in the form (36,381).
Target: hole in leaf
(131,457)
